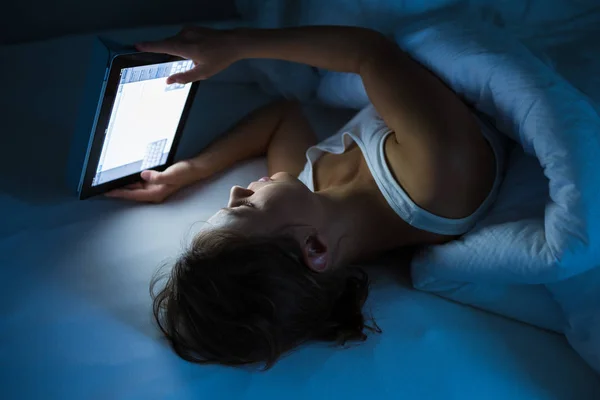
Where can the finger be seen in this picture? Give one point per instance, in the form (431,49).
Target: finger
(117,192)
(188,31)
(152,177)
(179,173)
(133,186)
(142,195)
(194,74)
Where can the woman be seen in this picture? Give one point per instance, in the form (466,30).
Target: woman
(416,167)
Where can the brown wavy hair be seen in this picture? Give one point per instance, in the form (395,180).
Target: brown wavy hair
(232,299)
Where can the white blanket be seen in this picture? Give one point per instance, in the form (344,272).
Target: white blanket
(532,236)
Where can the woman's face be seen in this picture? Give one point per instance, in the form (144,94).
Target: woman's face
(269,205)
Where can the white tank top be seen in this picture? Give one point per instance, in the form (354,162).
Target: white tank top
(368,130)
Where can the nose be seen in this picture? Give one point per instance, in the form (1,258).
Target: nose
(237,195)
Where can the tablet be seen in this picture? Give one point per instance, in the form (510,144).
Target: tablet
(138,122)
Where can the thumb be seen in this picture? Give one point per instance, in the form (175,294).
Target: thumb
(180,173)
(156,177)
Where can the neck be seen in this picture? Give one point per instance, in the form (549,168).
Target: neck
(358,223)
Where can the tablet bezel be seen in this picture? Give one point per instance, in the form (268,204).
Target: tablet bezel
(118,63)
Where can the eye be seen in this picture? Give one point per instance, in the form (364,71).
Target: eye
(247,203)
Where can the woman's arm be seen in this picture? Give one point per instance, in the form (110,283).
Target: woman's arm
(278,131)
(418,106)
(337,48)
(426,116)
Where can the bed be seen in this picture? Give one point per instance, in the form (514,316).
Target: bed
(75,318)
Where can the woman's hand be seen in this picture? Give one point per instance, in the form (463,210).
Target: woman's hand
(212,51)
(157,186)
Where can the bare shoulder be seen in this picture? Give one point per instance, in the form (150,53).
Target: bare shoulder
(449,177)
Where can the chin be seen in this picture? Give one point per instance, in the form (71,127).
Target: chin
(283,176)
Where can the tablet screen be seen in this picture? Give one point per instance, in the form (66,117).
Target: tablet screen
(143,121)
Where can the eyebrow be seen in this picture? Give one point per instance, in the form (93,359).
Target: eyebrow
(235,210)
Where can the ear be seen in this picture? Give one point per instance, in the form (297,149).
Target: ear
(315,253)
